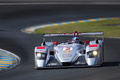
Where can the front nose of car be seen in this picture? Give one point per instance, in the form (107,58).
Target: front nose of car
(91,61)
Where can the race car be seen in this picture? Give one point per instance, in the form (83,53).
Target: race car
(72,53)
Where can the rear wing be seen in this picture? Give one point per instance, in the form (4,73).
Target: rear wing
(74,34)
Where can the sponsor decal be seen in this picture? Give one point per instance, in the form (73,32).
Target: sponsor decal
(61,46)
(67,51)
(66,55)
(43,51)
(67,48)
(95,45)
(40,47)
(93,49)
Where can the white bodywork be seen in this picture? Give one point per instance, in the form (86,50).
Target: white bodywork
(67,54)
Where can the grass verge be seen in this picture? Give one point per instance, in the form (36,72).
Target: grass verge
(111,28)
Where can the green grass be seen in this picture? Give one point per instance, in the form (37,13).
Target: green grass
(97,26)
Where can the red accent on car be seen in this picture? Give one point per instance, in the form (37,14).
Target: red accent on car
(87,42)
(75,33)
(95,45)
(55,43)
(40,47)
(67,48)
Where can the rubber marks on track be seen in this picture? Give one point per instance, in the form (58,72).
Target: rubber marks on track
(30,30)
(8,60)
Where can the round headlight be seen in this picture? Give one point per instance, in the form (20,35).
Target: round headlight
(95,53)
(39,54)
(43,55)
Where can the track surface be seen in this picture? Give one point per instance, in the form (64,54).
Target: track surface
(14,18)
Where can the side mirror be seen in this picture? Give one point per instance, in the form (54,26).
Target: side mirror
(44,44)
(87,42)
(97,41)
(55,43)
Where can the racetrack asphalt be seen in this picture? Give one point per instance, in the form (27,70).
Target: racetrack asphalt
(14,18)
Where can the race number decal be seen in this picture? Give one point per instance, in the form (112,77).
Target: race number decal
(67,48)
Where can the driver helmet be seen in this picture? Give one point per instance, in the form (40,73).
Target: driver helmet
(75,39)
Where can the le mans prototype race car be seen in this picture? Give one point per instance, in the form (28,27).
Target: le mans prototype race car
(73,53)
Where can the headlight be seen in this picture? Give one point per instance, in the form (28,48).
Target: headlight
(92,54)
(41,55)
(95,53)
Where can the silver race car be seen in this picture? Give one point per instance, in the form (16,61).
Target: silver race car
(73,53)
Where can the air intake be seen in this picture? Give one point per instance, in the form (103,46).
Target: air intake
(66,63)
